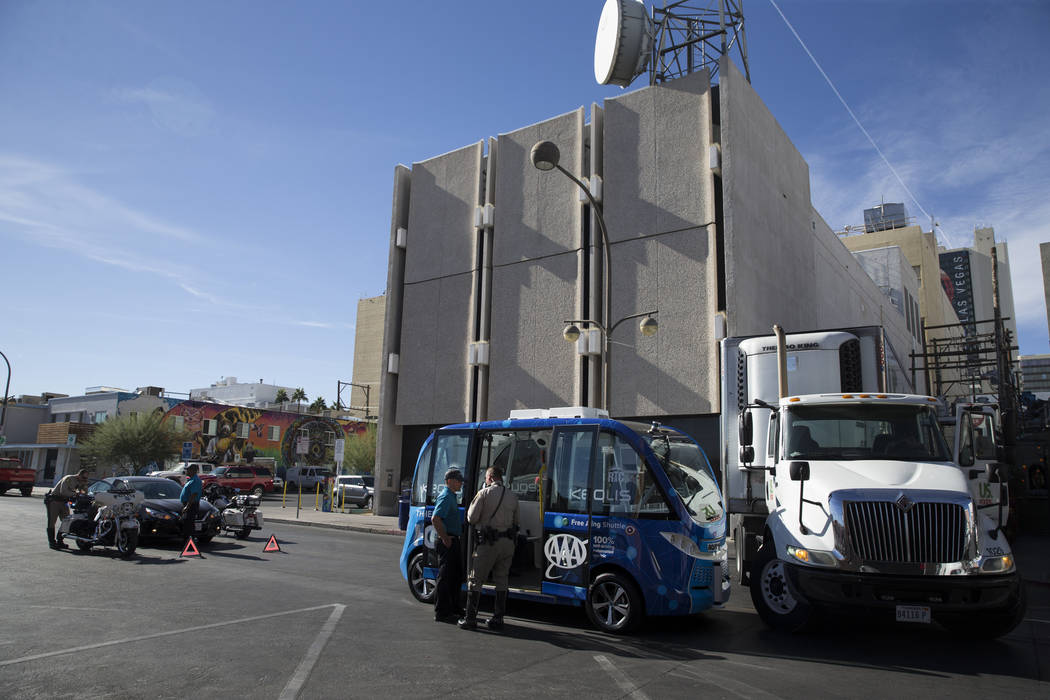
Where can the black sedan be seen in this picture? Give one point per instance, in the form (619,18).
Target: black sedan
(160,514)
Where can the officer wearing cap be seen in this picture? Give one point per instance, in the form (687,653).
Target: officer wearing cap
(494,515)
(448,524)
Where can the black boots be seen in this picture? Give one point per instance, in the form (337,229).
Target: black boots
(470,617)
(495,623)
(52,542)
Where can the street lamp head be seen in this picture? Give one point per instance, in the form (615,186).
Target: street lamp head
(648,326)
(545,155)
(571,333)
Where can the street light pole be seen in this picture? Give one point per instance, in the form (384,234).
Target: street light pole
(545,157)
(3,409)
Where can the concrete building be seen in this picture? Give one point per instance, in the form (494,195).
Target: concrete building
(890,270)
(368,359)
(53,448)
(1044,255)
(1035,374)
(229,391)
(710,221)
(920,250)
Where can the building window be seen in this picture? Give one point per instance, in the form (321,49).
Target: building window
(180,423)
(100,417)
(329,438)
(133,414)
(211,426)
(242,429)
(275,433)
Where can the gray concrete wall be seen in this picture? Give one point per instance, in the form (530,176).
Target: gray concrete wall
(1044,256)
(659,206)
(434,377)
(784,264)
(389,467)
(535,280)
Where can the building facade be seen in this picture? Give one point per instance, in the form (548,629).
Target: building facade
(710,223)
(363,395)
(228,390)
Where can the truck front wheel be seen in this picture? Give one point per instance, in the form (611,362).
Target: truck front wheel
(777,602)
(27,491)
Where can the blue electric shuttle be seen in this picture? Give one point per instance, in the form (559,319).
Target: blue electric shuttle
(623,518)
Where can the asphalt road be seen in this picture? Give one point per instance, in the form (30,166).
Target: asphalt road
(330,616)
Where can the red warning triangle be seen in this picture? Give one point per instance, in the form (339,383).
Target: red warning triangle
(190,550)
(271,545)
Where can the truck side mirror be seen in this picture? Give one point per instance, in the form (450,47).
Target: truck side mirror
(747,430)
(799,471)
(747,454)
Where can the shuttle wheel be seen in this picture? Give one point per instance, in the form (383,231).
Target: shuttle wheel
(614,603)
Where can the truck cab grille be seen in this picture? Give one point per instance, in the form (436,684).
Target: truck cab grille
(906,532)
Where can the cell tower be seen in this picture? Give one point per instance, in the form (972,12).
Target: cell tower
(677,39)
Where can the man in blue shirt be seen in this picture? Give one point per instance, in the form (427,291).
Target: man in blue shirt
(190,499)
(448,525)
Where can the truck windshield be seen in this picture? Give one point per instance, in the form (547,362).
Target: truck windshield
(687,470)
(864,431)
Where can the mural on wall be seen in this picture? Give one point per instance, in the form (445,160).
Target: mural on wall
(230,434)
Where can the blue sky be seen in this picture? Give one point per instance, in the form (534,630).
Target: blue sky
(196,189)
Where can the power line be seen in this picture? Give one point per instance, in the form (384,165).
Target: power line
(934,224)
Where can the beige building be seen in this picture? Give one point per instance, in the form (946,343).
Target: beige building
(920,249)
(368,359)
(1044,254)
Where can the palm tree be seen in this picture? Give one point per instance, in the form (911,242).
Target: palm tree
(318,405)
(299,396)
(282,397)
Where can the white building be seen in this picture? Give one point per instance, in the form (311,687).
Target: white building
(228,390)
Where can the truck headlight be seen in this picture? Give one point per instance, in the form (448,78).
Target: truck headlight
(812,556)
(998,565)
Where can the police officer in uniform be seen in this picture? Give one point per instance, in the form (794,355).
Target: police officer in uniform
(55,501)
(494,515)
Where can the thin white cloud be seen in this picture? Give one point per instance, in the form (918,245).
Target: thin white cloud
(175,104)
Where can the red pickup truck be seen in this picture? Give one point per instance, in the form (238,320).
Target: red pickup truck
(13,476)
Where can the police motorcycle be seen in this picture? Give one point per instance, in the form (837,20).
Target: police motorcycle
(239,512)
(107,518)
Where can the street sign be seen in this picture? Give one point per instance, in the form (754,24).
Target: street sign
(302,447)
(71,440)
(3,439)
(339,444)
(187,451)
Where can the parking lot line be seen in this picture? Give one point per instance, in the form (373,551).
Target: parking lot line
(302,672)
(88,647)
(621,678)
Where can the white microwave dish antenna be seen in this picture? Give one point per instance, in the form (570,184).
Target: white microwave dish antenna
(679,38)
(623,44)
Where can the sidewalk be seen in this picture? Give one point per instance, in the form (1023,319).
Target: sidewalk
(356,520)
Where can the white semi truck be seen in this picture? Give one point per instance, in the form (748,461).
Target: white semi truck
(843,495)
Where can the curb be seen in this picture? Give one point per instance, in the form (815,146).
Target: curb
(339,526)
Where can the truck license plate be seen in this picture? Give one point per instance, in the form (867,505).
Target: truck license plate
(913,613)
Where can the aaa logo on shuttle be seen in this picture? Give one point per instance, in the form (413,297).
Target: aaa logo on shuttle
(564,551)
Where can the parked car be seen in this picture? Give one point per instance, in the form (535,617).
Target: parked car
(179,472)
(242,477)
(306,477)
(160,515)
(357,489)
